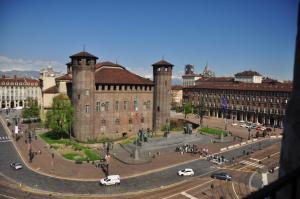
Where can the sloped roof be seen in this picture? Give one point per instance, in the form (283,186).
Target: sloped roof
(83,54)
(116,74)
(66,77)
(215,79)
(51,90)
(287,87)
(177,87)
(108,63)
(14,80)
(162,63)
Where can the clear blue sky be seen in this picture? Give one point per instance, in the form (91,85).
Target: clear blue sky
(231,35)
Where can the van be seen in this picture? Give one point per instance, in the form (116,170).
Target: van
(110,180)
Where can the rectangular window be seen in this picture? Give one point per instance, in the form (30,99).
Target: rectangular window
(117,106)
(106,106)
(125,105)
(97,106)
(87,108)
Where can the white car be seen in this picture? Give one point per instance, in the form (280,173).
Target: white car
(16,165)
(234,124)
(110,180)
(186,172)
(243,125)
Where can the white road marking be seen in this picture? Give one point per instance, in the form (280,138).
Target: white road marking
(234,191)
(257,160)
(251,164)
(6,196)
(250,180)
(188,195)
(189,189)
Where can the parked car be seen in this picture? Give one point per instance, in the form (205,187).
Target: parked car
(221,176)
(110,180)
(234,124)
(16,165)
(186,172)
(243,125)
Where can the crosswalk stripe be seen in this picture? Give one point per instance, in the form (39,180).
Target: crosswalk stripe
(188,195)
(252,164)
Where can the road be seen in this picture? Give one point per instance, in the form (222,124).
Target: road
(150,181)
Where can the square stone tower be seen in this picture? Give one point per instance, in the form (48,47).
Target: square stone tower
(83,88)
(162,77)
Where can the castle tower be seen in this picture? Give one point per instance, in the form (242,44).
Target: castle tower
(83,88)
(162,77)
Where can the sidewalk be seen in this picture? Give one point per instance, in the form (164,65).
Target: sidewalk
(68,169)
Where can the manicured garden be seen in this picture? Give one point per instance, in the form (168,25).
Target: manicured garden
(212,131)
(69,149)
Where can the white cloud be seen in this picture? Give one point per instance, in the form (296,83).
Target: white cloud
(7,64)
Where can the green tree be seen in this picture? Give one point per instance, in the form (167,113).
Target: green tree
(201,111)
(32,110)
(60,117)
(187,108)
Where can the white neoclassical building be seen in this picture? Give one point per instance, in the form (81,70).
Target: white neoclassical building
(14,91)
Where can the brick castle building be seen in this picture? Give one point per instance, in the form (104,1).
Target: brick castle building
(109,100)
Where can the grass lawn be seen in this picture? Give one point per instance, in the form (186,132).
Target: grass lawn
(79,152)
(213,131)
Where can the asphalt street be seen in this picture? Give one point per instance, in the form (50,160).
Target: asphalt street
(154,180)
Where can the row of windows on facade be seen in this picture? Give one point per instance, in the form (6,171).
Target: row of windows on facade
(18,91)
(19,84)
(123,87)
(238,92)
(101,107)
(3,98)
(253,99)
(248,108)
(117,121)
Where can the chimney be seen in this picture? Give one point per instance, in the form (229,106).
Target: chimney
(15,76)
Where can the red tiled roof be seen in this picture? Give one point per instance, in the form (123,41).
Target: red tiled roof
(244,86)
(18,80)
(108,63)
(83,54)
(162,63)
(51,90)
(67,77)
(215,79)
(177,87)
(248,73)
(119,75)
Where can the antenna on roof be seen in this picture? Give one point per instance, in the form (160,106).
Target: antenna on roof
(163,57)
(83,47)
(116,61)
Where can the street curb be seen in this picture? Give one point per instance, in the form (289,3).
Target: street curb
(125,177)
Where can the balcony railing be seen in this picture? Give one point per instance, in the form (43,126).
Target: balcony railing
(288,181)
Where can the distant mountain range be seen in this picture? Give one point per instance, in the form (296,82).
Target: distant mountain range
(19,73)
(36,74)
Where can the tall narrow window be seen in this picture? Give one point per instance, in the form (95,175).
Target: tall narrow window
(117,106)
(136,105)
(87,108)
(97,106)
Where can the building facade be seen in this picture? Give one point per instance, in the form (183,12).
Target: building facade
(176,94)
(111,101)
(14,91)
(263,102)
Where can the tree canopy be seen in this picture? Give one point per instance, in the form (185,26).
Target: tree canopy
(31,110)
(60,117)
(187,108)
